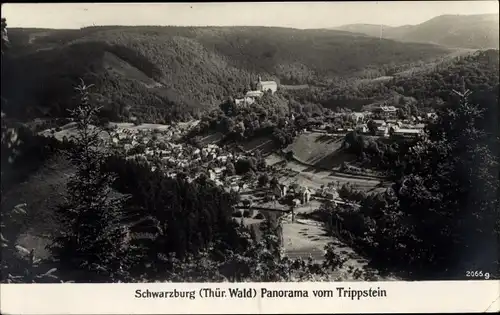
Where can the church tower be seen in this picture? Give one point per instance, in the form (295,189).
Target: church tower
(259,84)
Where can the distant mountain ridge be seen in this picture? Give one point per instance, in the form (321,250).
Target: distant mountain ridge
(478,31)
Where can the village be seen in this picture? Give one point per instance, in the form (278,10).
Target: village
(216,164)
(268,186)
(261,185)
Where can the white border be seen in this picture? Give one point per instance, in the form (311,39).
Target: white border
(423,297)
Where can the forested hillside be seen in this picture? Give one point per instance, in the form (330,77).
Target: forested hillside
(163,73)
(428,88)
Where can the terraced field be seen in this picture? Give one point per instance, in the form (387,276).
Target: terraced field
(265,145)
(294,172)
(319,150)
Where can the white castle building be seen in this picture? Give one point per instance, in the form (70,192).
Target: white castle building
(264,86)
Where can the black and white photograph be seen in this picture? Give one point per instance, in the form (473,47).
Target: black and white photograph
(245,142)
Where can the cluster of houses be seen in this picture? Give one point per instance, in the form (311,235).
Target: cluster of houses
(128,138)
(390,125)
(381,111)
(301,195)
(386,111)
(172,157)
(298,194)
(156,146)
(385,125)
(394,127)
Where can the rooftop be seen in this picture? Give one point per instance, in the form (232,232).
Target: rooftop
(388,108)
(254,93)
(408,131)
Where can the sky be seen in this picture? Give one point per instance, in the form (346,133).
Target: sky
(301,15)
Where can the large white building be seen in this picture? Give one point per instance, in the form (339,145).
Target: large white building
(247,100)
(254,94)
(406,133)
(265,86)
(386,110)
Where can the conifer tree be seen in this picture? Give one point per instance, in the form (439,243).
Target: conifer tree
(92,238)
